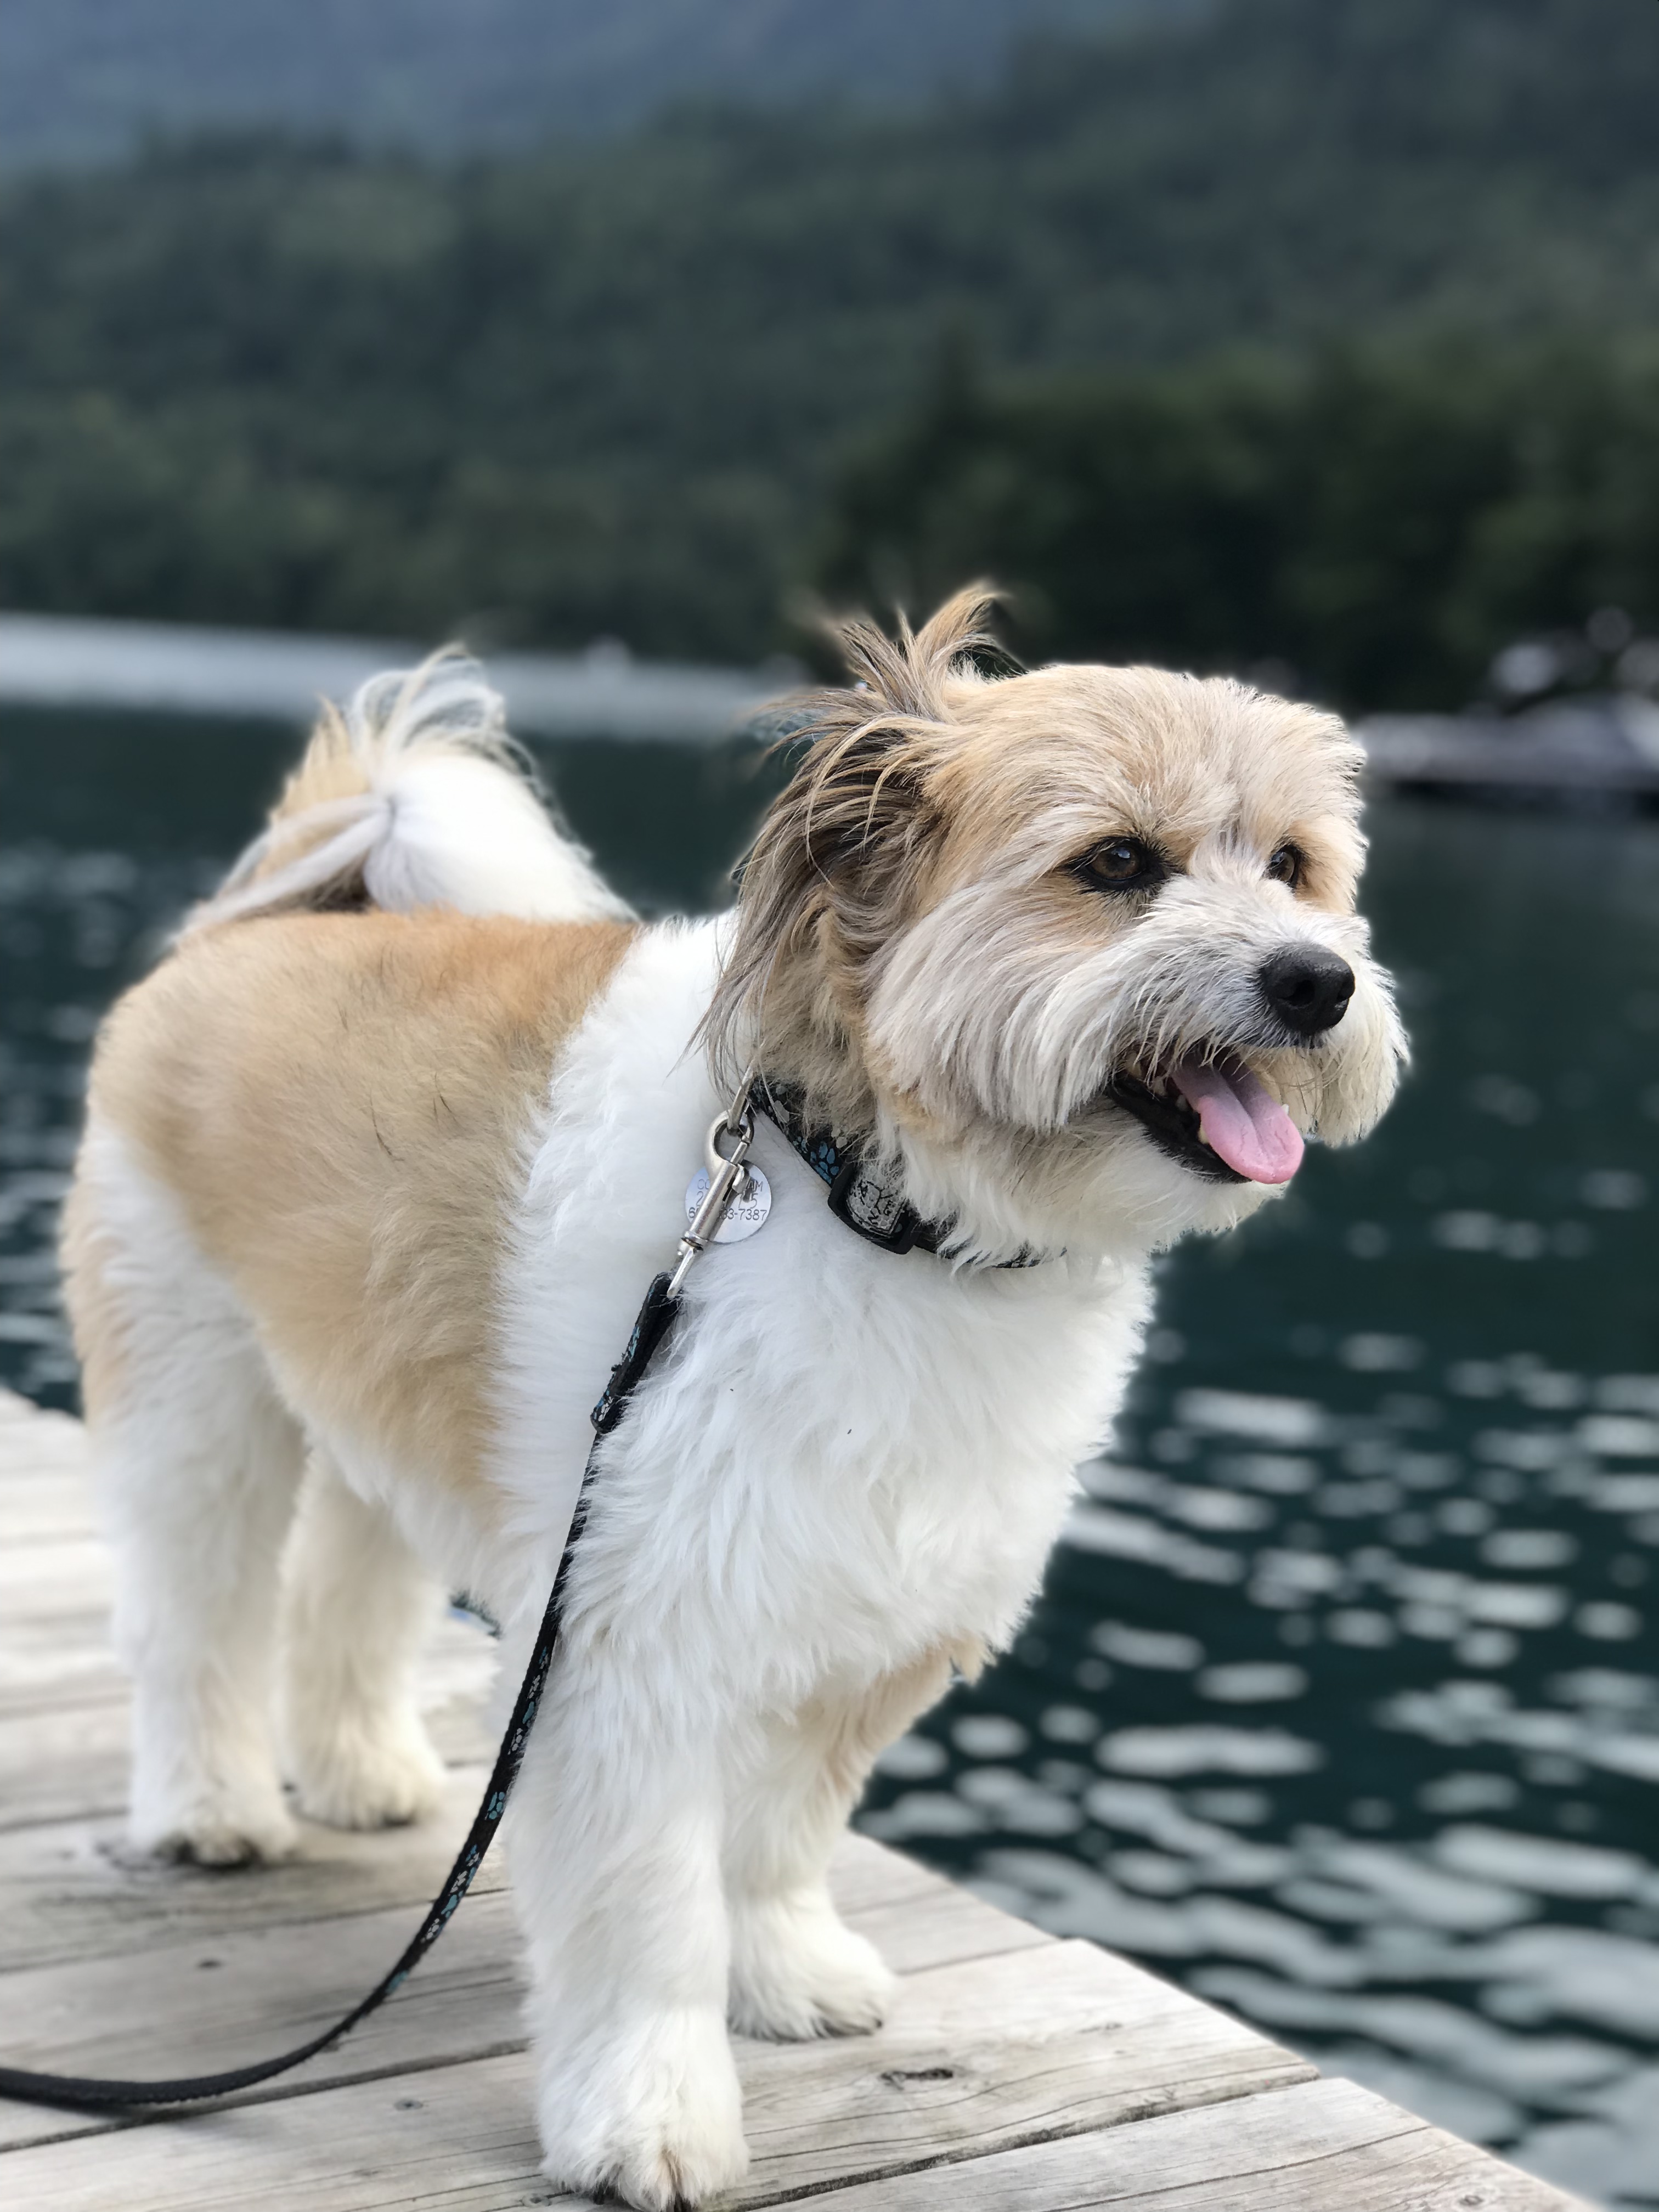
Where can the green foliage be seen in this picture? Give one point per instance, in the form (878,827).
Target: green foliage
(1380,522)
(608,389)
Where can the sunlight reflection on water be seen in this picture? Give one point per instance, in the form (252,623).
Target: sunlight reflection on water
(1392,1850)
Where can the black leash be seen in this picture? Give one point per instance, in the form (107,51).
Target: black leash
(656,1318)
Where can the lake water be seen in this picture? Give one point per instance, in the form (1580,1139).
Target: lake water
(1341,1704)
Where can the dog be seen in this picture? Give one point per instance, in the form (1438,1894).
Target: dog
(380,1159)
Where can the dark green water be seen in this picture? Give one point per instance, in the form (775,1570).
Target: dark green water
(1341,1706)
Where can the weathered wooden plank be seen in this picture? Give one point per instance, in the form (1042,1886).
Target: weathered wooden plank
(70,1890)
(1319,2147)
(384,2143)
(64,1737)
(50,1658)
(977,2057)
(46,1488)
(45,1665)
(54,1575)
(930,1924)
(44,1505)
(188,2008)
(59,1765)
(274,1984)
(30,1433)
(994,2054)
(461,2138)
(70,1762)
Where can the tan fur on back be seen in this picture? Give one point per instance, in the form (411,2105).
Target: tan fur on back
(339,1102)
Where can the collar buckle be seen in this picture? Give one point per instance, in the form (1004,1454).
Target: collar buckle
(874,1211)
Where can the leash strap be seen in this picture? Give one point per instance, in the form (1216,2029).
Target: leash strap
(656,1318)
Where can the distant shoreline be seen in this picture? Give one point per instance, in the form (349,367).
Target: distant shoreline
(67,661)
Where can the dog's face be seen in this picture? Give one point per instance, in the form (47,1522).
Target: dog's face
(1083,940)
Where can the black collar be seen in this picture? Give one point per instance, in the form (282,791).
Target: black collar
(860,1194)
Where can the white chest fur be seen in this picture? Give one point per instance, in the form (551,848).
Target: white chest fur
(845,1456)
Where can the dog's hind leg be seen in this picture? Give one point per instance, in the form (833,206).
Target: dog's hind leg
(198,1462)
(797,1969)
(356,1607)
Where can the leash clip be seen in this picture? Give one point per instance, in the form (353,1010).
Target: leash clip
(728,1177)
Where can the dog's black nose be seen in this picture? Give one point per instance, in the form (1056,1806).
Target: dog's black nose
(1308,988)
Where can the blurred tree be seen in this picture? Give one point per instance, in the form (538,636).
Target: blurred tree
(1380,522)
(606,388)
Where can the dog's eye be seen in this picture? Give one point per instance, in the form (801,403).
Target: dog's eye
(1285,866)
(1120,864)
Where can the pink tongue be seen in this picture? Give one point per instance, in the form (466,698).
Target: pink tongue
(1240,1119)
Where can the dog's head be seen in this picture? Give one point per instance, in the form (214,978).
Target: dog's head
(1079,945)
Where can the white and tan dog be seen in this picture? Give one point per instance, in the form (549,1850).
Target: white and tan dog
(379,1160)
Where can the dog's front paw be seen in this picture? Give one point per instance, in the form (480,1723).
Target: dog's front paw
(654,2117)
(214,1829)
(798,1971)
(364,1779)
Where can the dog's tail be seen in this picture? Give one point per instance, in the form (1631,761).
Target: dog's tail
(415,796)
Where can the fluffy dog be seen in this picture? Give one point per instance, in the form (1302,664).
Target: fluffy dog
(380,1160)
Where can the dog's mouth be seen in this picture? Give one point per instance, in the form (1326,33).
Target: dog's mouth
(1213,1114)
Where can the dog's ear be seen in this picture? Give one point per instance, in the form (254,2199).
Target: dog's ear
(907,673)
(835,867)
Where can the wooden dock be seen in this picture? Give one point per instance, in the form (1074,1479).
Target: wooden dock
(1019,2071)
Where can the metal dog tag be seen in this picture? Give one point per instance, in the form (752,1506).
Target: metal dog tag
(744,1214)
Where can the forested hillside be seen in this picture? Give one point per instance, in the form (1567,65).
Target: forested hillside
(1371,527)
(612,389)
